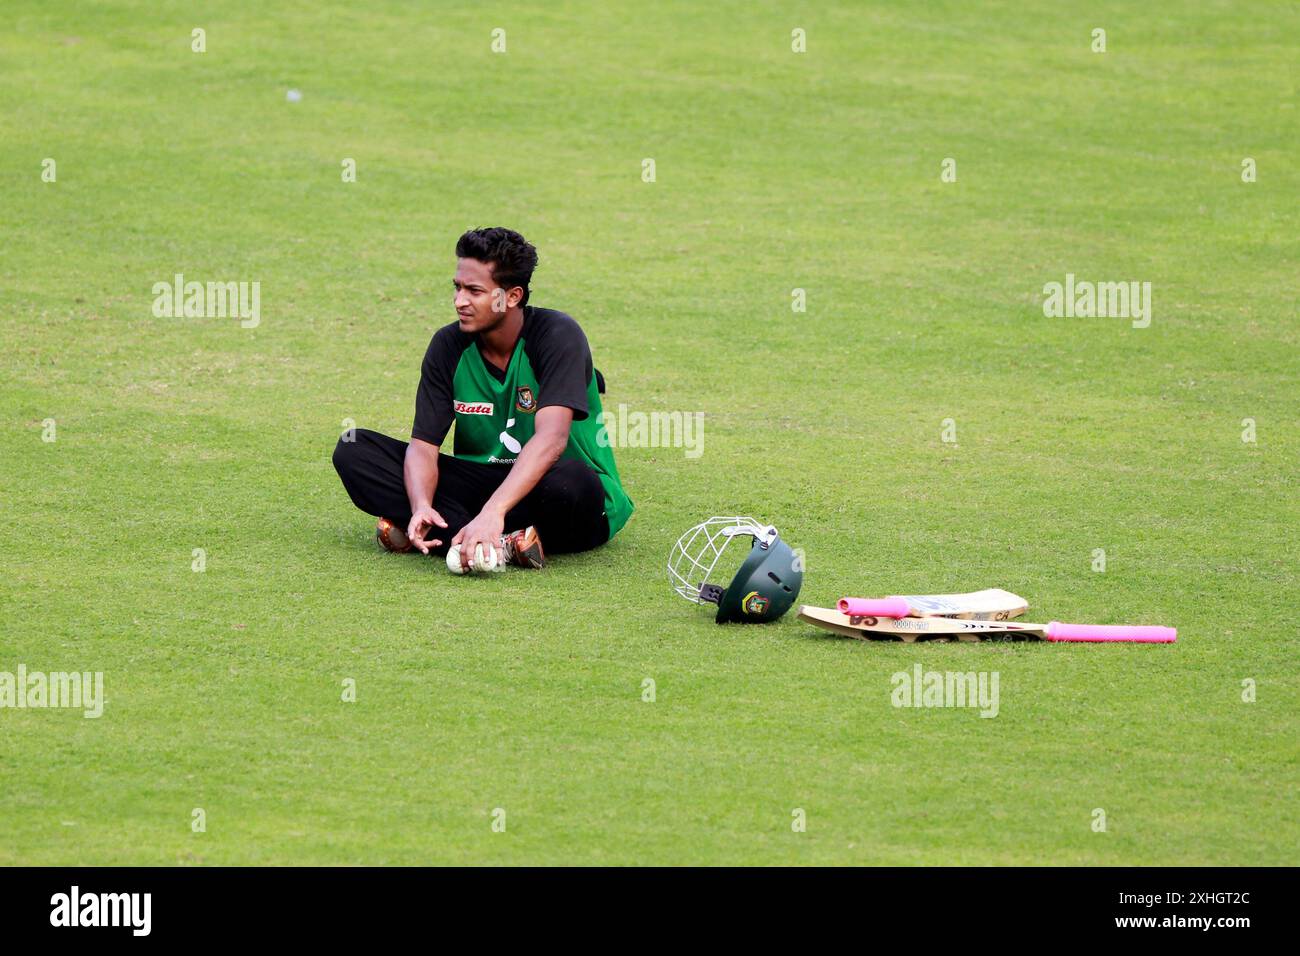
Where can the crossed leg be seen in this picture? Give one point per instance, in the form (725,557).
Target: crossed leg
(567,505)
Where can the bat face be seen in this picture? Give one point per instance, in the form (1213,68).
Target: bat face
(911,629)
(992,604)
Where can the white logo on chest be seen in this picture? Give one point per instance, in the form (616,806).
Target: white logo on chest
(509,440)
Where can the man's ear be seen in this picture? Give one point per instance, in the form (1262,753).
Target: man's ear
(515,296)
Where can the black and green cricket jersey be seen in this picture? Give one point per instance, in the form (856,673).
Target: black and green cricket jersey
(494,408)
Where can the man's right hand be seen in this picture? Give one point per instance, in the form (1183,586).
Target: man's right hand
(423,521)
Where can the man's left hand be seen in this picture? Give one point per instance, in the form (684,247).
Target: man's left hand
(484,530)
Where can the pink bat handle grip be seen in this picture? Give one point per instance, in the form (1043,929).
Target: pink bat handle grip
(875,607)
(1141,634)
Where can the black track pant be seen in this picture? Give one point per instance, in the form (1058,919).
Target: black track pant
(567,505)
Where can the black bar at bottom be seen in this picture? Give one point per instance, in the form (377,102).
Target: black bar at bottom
(335,906)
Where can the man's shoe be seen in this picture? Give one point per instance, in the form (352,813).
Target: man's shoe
(392,537)
(523,548)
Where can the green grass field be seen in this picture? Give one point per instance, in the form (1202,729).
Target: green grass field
(775,171)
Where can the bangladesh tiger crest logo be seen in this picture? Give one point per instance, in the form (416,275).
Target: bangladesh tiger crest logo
(755,604)
(525,401)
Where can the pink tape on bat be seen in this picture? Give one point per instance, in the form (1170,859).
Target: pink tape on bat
(875,607)
(1056,631)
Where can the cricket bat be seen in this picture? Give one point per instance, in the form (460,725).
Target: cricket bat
(992,604)
(909,629)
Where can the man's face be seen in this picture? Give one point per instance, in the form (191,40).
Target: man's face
(480,305)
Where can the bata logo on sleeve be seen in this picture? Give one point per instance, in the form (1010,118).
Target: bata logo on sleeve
(473,408)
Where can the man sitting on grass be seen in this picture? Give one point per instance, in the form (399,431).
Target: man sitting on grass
(519,384)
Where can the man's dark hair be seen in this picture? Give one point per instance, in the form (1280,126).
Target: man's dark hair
(511,256)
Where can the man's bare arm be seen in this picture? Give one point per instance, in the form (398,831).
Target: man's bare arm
(420,475)
(550,438)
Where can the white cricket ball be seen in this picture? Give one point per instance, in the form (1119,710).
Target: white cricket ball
(489,563)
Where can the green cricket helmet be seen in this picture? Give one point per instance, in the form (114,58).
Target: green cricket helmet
(762,589)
